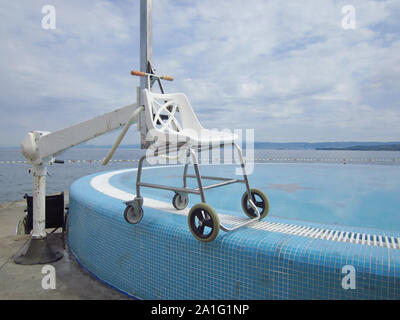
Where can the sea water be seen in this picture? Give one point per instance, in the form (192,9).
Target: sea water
(16,181)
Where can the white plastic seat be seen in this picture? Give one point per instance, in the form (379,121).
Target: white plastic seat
(170,117)
(171,121)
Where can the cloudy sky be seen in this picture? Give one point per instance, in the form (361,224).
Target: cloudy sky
(288,69)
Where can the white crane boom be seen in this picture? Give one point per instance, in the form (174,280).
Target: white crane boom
(38,146)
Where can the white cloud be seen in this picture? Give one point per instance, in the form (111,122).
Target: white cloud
(287,69)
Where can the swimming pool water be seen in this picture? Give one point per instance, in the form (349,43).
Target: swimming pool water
(288,255)
(347,195)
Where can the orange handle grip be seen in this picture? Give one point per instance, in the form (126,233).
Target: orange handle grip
(144,74)
(167,78)
(138,73)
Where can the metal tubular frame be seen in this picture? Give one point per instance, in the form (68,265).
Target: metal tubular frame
(200,190)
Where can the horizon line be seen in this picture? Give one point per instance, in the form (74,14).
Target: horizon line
(271,142)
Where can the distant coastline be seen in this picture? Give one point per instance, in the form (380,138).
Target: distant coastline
(385,147)
(336,145)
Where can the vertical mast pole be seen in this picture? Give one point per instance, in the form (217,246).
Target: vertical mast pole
(38,250)
(145,58)
(39,173)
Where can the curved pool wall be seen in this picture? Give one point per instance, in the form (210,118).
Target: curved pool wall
(273,259)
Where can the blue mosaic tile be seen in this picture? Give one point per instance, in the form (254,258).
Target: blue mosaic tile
(160,259)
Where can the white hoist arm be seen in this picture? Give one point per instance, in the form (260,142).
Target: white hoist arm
(38,146)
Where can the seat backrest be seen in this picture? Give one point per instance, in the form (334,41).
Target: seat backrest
(169,113)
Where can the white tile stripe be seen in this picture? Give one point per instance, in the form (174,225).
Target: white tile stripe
(101,183)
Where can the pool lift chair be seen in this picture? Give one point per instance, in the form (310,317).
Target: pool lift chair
(168,135)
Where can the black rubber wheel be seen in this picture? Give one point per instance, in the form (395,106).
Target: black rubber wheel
(133,216)
(180,202)
(260,200)
(203,222)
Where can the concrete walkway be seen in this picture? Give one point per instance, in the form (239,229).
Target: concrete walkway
(25,282)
